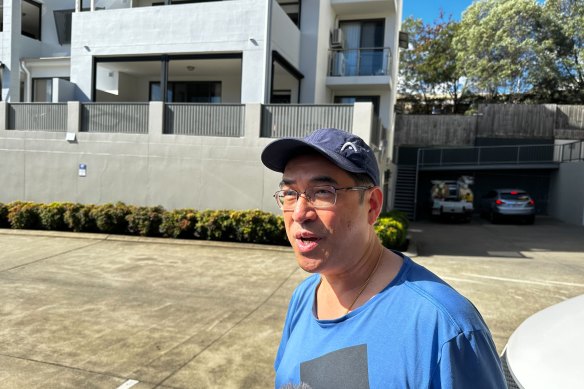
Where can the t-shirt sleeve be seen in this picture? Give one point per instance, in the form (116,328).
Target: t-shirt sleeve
(469,360)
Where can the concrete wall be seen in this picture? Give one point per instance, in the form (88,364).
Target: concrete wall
(155,169)
(174,171)
(566,199)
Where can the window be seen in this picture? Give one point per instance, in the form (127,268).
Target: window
(63,22)
(188,91)
(281,97)
(31,19)
(42,90)
(363,47)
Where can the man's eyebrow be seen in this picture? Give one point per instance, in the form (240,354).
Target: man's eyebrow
(314,180)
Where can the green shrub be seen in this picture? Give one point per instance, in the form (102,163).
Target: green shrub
(391,232)
(253,226)
(52,216)
(77,217)
(4,216)
(179,223)
(256,226)
(23,215)
(215,225)
(397,215)
(145,221)
(111,218)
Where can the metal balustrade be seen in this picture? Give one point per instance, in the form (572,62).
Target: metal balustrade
(367,61)
(205,119)
(494,155)
(280,120)
(127,118)
(38,116)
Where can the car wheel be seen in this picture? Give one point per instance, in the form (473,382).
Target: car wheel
(529,219)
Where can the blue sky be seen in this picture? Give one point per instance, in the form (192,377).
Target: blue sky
(429,10)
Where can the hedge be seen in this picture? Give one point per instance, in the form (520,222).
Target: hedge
(252,226)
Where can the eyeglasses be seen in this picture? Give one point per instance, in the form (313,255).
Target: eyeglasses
(320,197)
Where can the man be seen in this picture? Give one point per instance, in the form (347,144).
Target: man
(368,317)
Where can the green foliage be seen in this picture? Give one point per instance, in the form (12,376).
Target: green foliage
(400,216)
(77,217)
(4,216)
(499,43)
(111,218)
(145,221)
(179,223)
(23,215)
(392,232)
(251,226)
(502,51)
(559,76)
(429,67)
(52,216)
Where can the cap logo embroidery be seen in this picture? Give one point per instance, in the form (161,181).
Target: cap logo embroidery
(351,145)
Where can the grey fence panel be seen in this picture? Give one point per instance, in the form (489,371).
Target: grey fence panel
(38,116)
(516,120)
(205,119)
(297,121)
(570,117)
(127,118)
(430,130)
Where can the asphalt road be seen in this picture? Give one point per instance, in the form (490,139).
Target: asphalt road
(98,311)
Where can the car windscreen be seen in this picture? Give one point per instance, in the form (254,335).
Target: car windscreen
(518,196)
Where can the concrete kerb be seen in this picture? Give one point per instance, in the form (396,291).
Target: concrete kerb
(142,239)
(411,252)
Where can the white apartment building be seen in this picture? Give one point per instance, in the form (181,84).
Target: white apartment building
(292,52)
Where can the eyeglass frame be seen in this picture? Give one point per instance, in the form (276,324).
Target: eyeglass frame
(335,190)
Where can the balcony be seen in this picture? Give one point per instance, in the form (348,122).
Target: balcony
(100,5)
(358,68)
(352,7)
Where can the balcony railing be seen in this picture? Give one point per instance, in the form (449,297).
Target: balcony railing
(125,118)
(37,116)
(491,155)
(204,119)
(100,5)
(296,121)
(373,61)
(217,120)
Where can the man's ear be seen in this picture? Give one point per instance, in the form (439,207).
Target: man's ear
(375,203)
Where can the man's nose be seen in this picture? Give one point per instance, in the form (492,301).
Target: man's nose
(303,210)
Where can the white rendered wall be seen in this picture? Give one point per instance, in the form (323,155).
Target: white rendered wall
(285,35)
(566,197)
(237,26)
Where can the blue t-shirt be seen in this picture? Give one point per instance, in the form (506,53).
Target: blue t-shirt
(418,332)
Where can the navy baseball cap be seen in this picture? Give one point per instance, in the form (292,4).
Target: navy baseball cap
(347,151)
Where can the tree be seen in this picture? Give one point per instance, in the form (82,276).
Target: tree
(439,67)
(411,84)
(561,68)
(428,66)
(499,43)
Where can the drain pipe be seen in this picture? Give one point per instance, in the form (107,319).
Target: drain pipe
(28,85)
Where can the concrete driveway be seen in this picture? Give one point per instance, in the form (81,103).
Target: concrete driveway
(509,271)
(98,311)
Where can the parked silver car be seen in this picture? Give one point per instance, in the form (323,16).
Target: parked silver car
(507,203)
